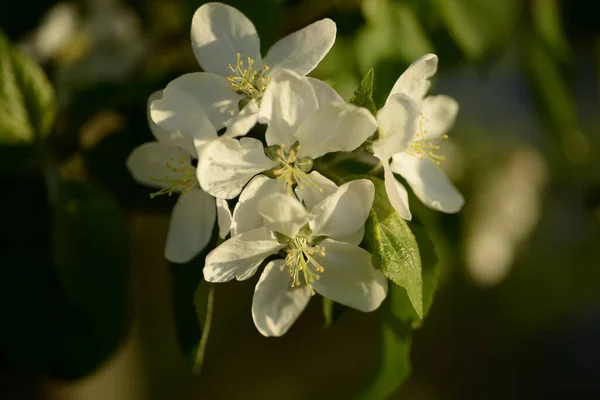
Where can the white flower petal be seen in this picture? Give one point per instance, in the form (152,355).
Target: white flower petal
(439,113)
(227,165)
(147,163)
(283,213)
(414,82)
(245,215)
(277,305)
(325,93)
(191,226)
(302,51)
(223,218)
(240,256)
(288,100)
(159,133)
(396,192)
(349,277)
(428,182)
(242,122)
(335,127)
(321,187)
(185,104)
(354,238)
(398,122)
(219,32)
(344,212)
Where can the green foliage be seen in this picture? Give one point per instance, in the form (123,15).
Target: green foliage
(27,102)
(363,95)
(547,22)
(394,248)
(554,100)
(389,23)
(405,254)
(91,251)
(332,312)
(478,26)
(391,366)
(64,277)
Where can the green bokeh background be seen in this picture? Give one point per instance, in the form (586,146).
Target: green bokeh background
(91,310)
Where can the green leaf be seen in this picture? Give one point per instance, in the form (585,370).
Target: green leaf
(64,280)
(387,21)
(392,361)
(91,251)
(478,25)
(547,21)
(394,248)
(363,95)
(332,311)
(27,101)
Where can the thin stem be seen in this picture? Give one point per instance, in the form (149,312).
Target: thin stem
(206,329)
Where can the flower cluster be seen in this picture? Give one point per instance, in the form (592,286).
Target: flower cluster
(265,190)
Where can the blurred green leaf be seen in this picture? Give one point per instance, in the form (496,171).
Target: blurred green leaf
(392,361)
(27,102)
(394,248)
(548,25)
(65,319)
(393,31)
(91,252)
(363,95)
(553,98)
(332,312)
(478,25)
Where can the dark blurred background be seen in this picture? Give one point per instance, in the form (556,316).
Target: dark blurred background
(517,312)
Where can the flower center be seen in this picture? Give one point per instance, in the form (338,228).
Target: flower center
(246,81)
(180,177)
(423,147)
(300,263)
(293,170)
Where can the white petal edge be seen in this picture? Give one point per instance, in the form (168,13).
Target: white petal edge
(396,192)
(414,82)
(227,165)
(303,50)
(191,226)
(240,256)
(398,121)
(321,187)
(288,100)
(223,218)
(245,215)
(218,33)
(195,105)
(349,277)
(428,182)
(325,93)
(147,163)
(335,127)
(344,212)
(276,305)
(243,121)
(283,213)
(439,113)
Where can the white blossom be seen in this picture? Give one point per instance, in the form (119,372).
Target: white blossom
(320,254)
(168,164)
(236,76)
(303,124)
(411,128)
